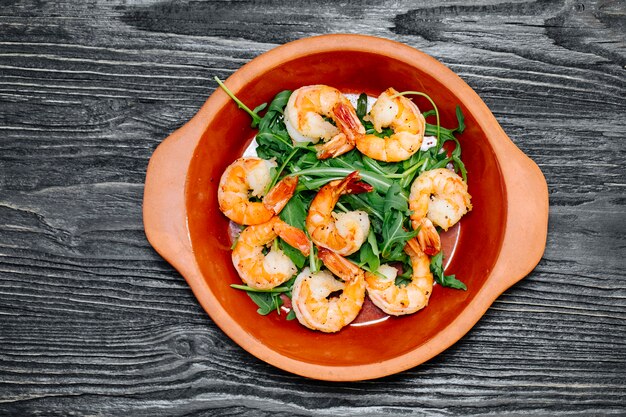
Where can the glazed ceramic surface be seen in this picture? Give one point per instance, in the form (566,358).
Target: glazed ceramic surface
(494,246)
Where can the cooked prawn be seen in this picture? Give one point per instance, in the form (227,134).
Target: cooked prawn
(304,118)
(438,197)
(408,124)
(312,299)
(247,177)
(264,271)
(342,232)
(407,299)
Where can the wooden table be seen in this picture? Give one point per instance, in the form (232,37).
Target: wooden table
(94,322)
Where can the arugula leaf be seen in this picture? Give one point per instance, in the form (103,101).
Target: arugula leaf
(381,168)
(461,119)
(460,166)
(436,267)
(369,254)
(361,106)
(406,277)
(352,160)
(379,182)
(371,239)
(295,212)
(270,299)
(266,301)
(365,202)
(376,202)
(395,235)
(259,108)
(294,254)
(289,285)
(394,200)
(273,139)
(291,315)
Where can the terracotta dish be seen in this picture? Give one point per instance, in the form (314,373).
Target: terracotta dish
(496,245)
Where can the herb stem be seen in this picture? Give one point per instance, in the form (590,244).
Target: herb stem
(376,180)
(255,117)
(414,168)
(279,171)
(251,289)
(312,261)
(341,207)
(373,165)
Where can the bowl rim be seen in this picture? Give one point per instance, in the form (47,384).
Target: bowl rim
(524,237)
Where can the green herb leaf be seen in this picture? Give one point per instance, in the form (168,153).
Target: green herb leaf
(361,106)
(381,168)
(402,281)
(461,119)
(394,200)
(436,267)
(379,182)
(273,139)
(267,302)
(395,235)
(295,212)
(369,253)
(294,254)
(259,108)
(291,315)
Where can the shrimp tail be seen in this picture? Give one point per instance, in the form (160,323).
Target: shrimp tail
(352,185)
(413,247)
(348,122)
(338,145)
(350,127)
(293,236)
(279,196)
(339,265)
(428,238)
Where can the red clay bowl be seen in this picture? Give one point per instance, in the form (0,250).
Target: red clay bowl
(496,245)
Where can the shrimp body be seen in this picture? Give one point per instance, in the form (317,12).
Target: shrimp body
(304,118)
(311,299)
(342,232)
(264,271)
(408,124)
(398,300)
(248,177)
(439,197)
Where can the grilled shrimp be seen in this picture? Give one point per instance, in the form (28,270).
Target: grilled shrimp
(400,114)
(248,177)
(438,197)
(312,299)
(304,118)
(398,300)
(264,271)
(342,232)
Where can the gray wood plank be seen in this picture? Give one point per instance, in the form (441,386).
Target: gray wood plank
(94,322)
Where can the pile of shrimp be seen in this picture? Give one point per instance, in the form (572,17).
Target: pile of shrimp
(331,297)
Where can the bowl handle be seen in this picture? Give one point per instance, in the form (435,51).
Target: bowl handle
(527,215)
(164,210)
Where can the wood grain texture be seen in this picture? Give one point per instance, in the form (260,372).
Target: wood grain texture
(94,322)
